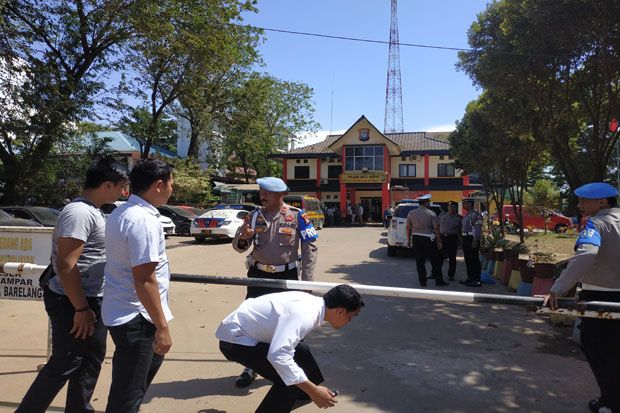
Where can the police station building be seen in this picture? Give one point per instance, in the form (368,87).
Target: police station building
(375,169)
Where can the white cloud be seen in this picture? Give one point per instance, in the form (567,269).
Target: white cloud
(441,128)
(308,138)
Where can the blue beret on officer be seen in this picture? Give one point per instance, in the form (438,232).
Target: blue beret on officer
(596,190)
(272,184)
(425,197)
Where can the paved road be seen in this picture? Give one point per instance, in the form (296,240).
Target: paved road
(399,355)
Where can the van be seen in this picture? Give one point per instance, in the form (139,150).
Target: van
(310,205)
(557,222)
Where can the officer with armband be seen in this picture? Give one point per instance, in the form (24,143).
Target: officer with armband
(276,231)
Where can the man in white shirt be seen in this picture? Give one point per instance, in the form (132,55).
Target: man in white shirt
(265,334)
(135,299)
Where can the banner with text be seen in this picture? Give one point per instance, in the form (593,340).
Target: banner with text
(24,245)
(363,177)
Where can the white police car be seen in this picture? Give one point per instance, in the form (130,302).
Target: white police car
(397,230)
(220,222)
(167,225)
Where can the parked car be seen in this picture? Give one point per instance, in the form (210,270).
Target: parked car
(194,210)
(181,217)
(42,215)
(220,222)
(397,230)
(8,220)
(167,225)
(557,222)
(310,205)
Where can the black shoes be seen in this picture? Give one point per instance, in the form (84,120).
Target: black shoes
(441,283)
(246,378)
(470,283)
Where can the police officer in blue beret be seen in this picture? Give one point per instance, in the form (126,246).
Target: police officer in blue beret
(595,265)
(277,232)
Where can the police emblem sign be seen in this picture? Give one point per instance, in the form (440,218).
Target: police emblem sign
(364,134)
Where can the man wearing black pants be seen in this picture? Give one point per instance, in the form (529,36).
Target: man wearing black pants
(265,334)
(423,231)
(450,227)
(472,231)
(73,298)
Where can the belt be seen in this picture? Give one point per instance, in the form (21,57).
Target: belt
(465,234)
(423,235)
(272,268)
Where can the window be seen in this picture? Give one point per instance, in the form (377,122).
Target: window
(441,157)
(334,171)
(406,170)
(305,161)
(445,169)
(302,172)
(368,157)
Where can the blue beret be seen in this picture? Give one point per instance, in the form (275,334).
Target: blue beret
(596,190)
(272,184)
(425,197)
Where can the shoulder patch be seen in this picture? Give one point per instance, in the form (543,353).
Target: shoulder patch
(307,232)
(589,235)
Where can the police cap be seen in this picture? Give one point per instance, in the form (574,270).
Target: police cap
(596,190)
(452,203)
(272,184)
(424,197)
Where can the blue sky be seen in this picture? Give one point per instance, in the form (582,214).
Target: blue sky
(434,92)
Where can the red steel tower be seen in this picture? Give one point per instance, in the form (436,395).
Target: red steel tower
(393,89)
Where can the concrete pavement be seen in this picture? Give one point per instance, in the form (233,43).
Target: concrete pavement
(398,356)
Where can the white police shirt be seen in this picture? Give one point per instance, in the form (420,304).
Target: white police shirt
(133,236)
(280,319)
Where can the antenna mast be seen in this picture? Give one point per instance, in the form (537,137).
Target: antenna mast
(393,89)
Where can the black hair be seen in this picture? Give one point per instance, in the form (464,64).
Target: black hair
(343,296)
(104,170)
(147,171)
(612,201)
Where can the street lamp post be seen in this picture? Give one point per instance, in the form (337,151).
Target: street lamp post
(613,127)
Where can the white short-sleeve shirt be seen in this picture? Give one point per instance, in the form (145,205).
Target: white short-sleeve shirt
(133,236)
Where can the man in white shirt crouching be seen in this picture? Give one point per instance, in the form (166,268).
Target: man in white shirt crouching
(265,334)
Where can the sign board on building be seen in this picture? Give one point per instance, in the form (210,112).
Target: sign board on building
(363,177)
(24,245)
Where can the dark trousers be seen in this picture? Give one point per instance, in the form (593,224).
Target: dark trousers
(134,364)
(425,249)
(472,261)
(600,342)
(73,359)
(450,245)
(280,398)
(254,272)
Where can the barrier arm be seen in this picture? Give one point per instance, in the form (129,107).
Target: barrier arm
(590,309)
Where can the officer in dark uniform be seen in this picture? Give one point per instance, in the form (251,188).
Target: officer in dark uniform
(471,234)
(595,265)
(276,231)
(423,234)
(450,228)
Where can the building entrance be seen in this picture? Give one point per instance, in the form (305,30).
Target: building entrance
(372,209)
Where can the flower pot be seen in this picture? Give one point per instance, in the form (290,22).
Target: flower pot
(499,269)
(507,270)
(544,270)
(525,289)
(515,279)
(541,286)
(527,274)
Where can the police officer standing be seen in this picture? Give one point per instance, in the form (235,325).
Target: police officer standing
(595,265)
(450,228)
(471,233)
(423,235)
(276,231)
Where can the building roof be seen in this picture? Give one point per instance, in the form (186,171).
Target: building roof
(121,142)
(409,142)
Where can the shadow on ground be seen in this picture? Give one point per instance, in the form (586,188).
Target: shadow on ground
(405,355)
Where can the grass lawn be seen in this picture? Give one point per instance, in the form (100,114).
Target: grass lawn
(559,245)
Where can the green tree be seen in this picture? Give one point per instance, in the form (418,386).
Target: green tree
(138,124)
(178,42)
(192,184)
(542,197)
(266,113)
(53,53)
(563,76)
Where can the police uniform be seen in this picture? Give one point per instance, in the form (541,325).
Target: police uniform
(471,231)
(450,229)
(277,238)
(421,222)
(595,265)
